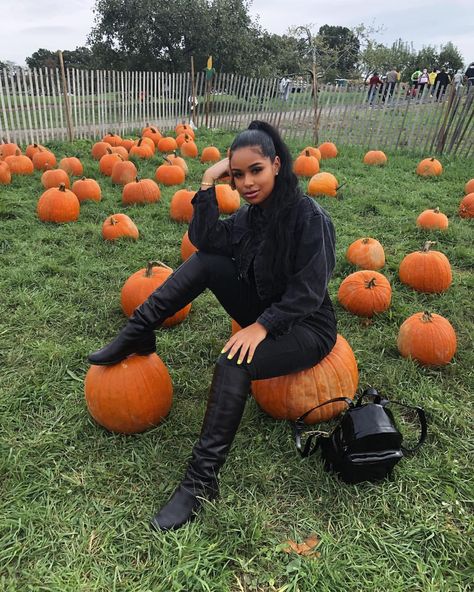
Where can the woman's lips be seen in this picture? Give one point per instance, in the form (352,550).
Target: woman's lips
(251,194)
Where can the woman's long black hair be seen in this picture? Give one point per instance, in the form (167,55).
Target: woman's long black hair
(286,192)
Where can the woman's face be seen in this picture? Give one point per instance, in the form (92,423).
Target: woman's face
(253,174)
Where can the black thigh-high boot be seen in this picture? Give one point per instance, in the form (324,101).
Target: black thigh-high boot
(137,337)
(228,394)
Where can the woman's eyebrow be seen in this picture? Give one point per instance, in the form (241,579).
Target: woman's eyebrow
(249,167)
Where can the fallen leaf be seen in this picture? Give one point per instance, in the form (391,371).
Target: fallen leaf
(306,548)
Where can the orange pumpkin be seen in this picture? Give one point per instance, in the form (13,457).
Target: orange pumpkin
(228,199)
(112,139)
(170,174)
(306,165)
(183,128)
(188,148)
(432,219)
(152,133)
(313,151)
(86,189)
(99,149)
(429,167)
(365,293)
(142,150)
(32,149)
(426,270)
(428,338)
(5,174)
(72,165)
(289,396)
(107,162)
(141,191)
(44,160)
(167,144)
(469,187)
(375,157)
(119,226)
(466,207)
(323,184)
(8,149)
(120,150)
(181,208)
(178,161)
(367,253)
(19,164)
(123,172)
(210,154)
(143,283)
(59,205)
(54,178)
(131,396)
(187,247)
(328,150)
(127,143)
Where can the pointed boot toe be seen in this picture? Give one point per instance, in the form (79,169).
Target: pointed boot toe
(124,345)
(181,508)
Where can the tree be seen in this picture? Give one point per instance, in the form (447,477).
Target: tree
(43,58)
(342,49)
(450,57)
(81,57)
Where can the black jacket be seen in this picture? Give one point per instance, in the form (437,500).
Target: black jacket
(303,296)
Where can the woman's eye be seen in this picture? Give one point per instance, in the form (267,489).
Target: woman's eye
(256,171)
(236,175)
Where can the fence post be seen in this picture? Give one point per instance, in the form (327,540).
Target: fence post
(66,98)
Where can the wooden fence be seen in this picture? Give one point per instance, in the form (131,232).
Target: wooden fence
(38,105)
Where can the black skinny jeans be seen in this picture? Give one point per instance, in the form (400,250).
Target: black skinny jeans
(297,350)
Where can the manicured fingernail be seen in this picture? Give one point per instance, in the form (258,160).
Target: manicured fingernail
(249,360)
(229,357)
(239,361)
(223,351)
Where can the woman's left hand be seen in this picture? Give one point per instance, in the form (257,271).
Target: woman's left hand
(245,340)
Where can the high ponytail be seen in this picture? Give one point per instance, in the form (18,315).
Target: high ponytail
(286,193)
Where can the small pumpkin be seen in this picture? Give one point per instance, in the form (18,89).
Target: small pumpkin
(120,150)
(87,189)
(99,149)
(210,154)
(375,157)
(323,184)
(44,160)
(59,205)
(19,164)
(141,191)
(167,144)
(428,338)
(54,178)
(183,128)
(313,152)
(153,133)
(123,172)
(142,150)
(426,270)
(181,208)
(367,253)
(170,174)
(32,149)
(469,187)
(142,284)
(187,247)
(8,149)
(365,293)
(328,150)
(291,395)
(131,396)
(306,165)
(127,143)
(178,161)
(112,139)
(432,219)
(429,167)
(228,199)
(466,207)
(107,162)
(119,226)
(5,174)
(188,148)
(72,165)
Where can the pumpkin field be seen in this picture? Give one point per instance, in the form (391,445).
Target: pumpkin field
(76,499)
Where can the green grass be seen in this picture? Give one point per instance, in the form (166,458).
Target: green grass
(75,500)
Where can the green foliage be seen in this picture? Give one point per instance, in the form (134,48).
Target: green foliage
(345,44)
(81,57)
(76,499)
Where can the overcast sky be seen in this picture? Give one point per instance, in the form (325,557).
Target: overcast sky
(27,25)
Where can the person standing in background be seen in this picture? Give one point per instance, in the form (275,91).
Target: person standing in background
(441,83)
(469,74)
(392,79)
(423,80)
(374,82)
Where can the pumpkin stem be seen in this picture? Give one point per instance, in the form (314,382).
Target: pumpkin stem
(427,317)
(167,160)
(83,178)
(371,283)
(137,180)
(109,150)
(307,153)
(113,221)
(426,247)
(62,187)
(151,264)
(436,210)
(365,241)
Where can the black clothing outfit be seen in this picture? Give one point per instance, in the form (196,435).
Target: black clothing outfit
(441,82)
(296,312)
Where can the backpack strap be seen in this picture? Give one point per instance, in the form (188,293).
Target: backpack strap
(299,426)
(371,392)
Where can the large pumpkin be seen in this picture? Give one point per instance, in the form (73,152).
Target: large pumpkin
(153,133)
(58,204)
(141,191)
(143,283)
(19,164)
(289,396)
(323,184)
(428,338)
(54,178)
(99,149)
(228,199)
(375,157)
(72,165)
(167,144)
(188,147)
(123,172)
(426,270)
(365,293)
(181,208)
(466,207)
(131,396)
(210,154)
(328,150)
(44,160)
(8,149)
(429,167)
(112,139)
(306,165)
(87,189)
(119,226)
(107,162)
(432,220)
(367,253)
(170,174)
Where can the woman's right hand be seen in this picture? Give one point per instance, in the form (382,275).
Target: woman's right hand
(216,171)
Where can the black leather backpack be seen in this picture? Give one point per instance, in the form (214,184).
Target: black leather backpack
(365,445)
